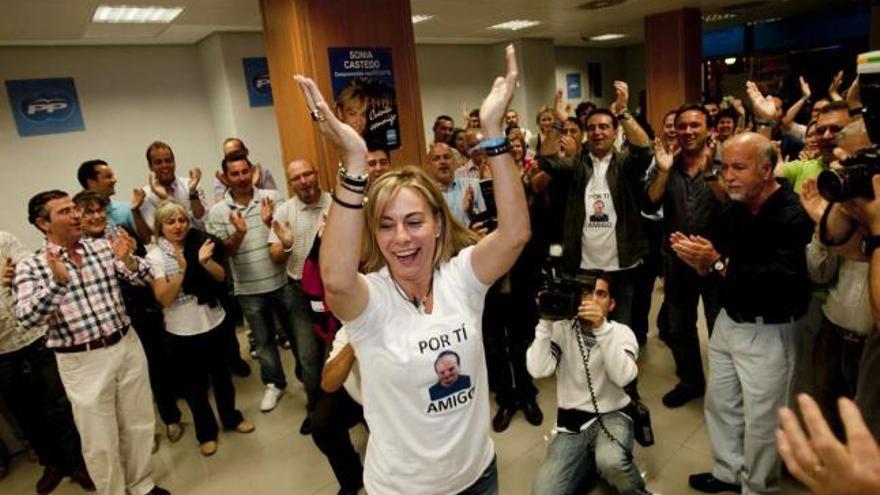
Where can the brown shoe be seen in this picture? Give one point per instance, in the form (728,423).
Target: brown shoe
(49,481)
(245,427)
(208,448)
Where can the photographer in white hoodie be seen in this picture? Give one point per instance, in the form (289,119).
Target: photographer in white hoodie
(593,435)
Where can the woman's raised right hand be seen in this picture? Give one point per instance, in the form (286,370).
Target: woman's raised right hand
(350,145)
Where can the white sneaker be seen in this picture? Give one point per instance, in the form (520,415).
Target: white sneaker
(270,397)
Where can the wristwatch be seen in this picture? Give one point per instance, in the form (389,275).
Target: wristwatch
(869,244)
(624,115)
(719,265)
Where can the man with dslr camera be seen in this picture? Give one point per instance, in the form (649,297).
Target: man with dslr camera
(594,359)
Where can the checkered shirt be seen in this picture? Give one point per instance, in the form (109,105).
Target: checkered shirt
(87,307)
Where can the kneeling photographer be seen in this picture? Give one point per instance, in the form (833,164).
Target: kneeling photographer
(594,359)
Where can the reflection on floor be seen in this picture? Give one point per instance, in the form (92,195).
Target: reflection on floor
(277,460)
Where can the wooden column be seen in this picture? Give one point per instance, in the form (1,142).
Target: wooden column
(673,43)
(298,33)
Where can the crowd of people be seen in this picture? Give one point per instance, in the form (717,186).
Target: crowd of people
(409,295)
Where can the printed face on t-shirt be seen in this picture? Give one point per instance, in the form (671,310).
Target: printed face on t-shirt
(447,370)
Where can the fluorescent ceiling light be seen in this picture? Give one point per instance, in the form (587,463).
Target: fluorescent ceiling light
(515,25)
(607,37)
(421,18)
(720,16)
(135,15)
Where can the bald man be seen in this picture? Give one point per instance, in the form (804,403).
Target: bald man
(295,227)
(757,254)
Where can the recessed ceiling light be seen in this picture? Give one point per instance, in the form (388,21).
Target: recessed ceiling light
(607,37)
(421,18)
(719,16)
(730,60)
(764,21)
(135,15)
(515,25)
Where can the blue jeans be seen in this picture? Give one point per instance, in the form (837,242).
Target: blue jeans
(259,311)
(487,484)
(307,348)
(574,459)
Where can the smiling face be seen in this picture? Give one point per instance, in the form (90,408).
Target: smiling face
(62,224)
(104,182)
(239,174)
(93,219)
(691,130)
(407,236)
(162,164)
(443,130)
(447,370)
(600,134)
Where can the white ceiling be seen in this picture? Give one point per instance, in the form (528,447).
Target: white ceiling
(67,22)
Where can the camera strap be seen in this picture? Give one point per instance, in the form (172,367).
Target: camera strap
(823,229)
(585,355)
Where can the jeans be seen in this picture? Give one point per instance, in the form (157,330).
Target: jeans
(32,389)
(487,484)
(681,294)
(201,362)
(575,459)
(259,310)
(333,416)
(306,345)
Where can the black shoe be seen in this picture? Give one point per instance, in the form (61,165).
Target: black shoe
(240,368)
(306,427)
(82,478)
(349,491)
(502,418)
(4,469)
(533,413)
(158,490)
(707,483)
(49,481)
(681,395)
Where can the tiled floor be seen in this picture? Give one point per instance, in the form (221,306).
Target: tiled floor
(276,460)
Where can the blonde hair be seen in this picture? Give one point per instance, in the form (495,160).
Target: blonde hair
(166,210)
(541,111)
(453,235)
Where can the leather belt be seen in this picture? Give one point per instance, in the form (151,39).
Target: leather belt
(761,319)
(99,343)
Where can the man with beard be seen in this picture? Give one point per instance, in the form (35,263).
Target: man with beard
(295,226)
(688,188)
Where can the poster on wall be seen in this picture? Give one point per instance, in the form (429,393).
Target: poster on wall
(256,78)
(573,85)
(363,91)
(44,106)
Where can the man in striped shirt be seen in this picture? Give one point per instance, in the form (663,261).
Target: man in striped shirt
(242,220)
(72,285)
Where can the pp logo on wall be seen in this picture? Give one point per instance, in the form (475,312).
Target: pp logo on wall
(363,90)
(44,106)
(573,85)
(256,78)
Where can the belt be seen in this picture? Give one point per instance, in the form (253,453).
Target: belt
(761,319)
(99,343)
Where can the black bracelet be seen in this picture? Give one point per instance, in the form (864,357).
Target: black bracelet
(854,112)
(353,180)
(351,206)
(354,189)
(498,150)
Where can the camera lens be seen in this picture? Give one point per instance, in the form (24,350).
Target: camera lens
(832,185)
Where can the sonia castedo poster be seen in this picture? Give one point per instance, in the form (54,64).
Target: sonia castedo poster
(363,93)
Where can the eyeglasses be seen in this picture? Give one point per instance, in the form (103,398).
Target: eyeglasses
(834,129)
(91,212)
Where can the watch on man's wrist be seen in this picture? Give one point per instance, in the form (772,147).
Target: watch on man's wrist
(719,265)
(624,115)
(869,244)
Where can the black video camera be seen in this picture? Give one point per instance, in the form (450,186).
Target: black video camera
(560,294)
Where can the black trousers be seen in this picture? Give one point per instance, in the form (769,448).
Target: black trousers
(201,363)
(509,321)
(32,389)
(644,290)
(836,358)
(682,290)
(333,416)
(867,391)
(150,327)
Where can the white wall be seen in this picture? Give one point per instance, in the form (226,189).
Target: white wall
(188,96)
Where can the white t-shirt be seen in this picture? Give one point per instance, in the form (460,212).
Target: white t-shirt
(186,316)
(425,438)
(599,237)
(179,193)
(352,382)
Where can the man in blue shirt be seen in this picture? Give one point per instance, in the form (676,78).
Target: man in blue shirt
(96,175)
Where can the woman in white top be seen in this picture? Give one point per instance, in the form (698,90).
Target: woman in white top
(414,318)
(189,285)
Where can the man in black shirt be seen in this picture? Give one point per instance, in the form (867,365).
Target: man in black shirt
(757,253)
(689,191)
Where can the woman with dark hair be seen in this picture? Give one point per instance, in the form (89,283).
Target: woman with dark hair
(458,142)
(188,283)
